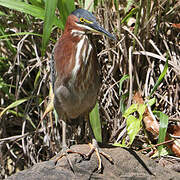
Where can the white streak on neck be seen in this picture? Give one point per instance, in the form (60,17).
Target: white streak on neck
(76,32)
(78,57)
(88,53)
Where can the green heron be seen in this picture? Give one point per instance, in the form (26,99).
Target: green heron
(75,73)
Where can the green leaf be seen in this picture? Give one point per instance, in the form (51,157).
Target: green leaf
(141,109)
(122,105)
(162,129)
(50,7)
(123,144)
(37,78)
(130,110)
(125,77)
(160,78)
(120,145)
(17,114)
(130,14)
(133,127)
(124,96)
(133,123)
(13,105)
(65,8)
(96,123)
(151,101)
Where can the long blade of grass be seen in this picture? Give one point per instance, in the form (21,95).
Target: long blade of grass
(23,7)
(65,8)
(22,34)
(160,78)
(29,9)
(162,129)
(50,7)
(130,14)
(37,78)
(96,123)
(125,77)
(38,3)
(122,97)
(2,32)
(13,105)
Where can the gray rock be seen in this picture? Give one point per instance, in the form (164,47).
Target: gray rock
(127,165)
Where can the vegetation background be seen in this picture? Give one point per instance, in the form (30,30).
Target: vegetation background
(145,58)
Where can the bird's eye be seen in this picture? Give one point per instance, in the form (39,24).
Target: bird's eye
(81,19)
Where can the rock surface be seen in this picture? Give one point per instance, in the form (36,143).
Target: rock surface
(127,165)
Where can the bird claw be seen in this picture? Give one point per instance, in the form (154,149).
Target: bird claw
(95,148)
(65,152)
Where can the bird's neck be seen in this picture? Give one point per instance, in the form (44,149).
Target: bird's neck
(83,60)
(83,49)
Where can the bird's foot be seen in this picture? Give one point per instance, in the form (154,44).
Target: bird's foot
(95,148)
(64,152)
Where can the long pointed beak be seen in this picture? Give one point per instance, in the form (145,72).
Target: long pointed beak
(95,26)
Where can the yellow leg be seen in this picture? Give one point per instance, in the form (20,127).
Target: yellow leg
(65,150)
(95,148)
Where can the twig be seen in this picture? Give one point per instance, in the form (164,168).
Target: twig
(154,146)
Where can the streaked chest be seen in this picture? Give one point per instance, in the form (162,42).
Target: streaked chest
(76,62)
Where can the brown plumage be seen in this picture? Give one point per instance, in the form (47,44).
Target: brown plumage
(75,72)
(74,94)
